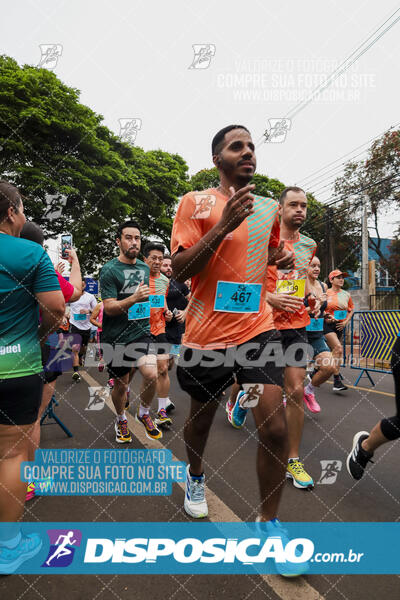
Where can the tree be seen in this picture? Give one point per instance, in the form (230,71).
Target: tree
(204,179)
(209,178)
(378,176)
(52,146)
(392,263)
(337,233)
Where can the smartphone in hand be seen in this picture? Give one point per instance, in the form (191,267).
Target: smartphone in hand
(66,244)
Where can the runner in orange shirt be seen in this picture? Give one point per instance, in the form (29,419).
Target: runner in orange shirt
(291,321)
(223,239)
(338,313)
(159,314)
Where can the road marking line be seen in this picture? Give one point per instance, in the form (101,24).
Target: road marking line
(287,589)
(354,387)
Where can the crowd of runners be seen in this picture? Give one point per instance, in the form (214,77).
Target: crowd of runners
(238,299)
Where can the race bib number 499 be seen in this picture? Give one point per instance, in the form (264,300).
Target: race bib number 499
(294,287)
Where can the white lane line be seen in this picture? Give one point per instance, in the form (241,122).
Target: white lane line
(357,387)
(218,512)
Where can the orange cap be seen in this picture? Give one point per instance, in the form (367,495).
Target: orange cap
(333,274)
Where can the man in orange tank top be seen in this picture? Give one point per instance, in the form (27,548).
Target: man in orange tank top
(291,319)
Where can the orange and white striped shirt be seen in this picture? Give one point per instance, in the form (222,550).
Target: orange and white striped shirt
(240,258)
(303,250)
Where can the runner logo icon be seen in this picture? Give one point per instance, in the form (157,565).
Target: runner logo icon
(62,547)
(330,471)
(203,53)
(252,395)
(128,129)
(50,54)
(277,130)
(97,398)
(132,280)
(204,205)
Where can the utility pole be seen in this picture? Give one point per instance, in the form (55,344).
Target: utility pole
(364,253)
(372,283)
(330,256)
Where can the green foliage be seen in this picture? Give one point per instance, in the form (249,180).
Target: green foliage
(209,178)
(392,263)
(345,235)
(50,144)
(204,179)
(378,175)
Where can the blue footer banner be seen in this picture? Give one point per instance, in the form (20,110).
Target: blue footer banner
(196,548)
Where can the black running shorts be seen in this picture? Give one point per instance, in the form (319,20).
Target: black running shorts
(303,353)
(125,356)
(212,371)
(161,343)
(331,328)
(49,376)
(84,333)
(20,399)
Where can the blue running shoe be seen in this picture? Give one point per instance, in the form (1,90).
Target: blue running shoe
(12,558)
(237,415)
(274,529)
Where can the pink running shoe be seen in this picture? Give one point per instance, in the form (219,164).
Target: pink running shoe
(30,491)
(310,402)
(229,409)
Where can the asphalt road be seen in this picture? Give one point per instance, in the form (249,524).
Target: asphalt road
(231,479)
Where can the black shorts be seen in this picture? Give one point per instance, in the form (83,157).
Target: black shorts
(128,355)
(20,399)
(48,375)
(303,353)
(205,382)
(84,333)
(175,332)
(161,343)
(331,328)
(173,339)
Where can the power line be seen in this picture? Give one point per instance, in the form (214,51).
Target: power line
(346,64)
(307,181)
(331,180)
(362,189)
(303,181)
(320,218)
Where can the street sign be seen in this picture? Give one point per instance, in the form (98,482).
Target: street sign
(92,286)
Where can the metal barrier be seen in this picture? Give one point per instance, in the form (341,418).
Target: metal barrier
(49,414)
(372,337)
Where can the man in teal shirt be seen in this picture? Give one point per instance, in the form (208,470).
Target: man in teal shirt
(124,284)
(27,282)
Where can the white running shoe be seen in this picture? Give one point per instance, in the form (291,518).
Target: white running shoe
(195,499)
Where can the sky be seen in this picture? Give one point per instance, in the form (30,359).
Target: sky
(185,69)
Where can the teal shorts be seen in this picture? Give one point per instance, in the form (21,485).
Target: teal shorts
(319,344)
